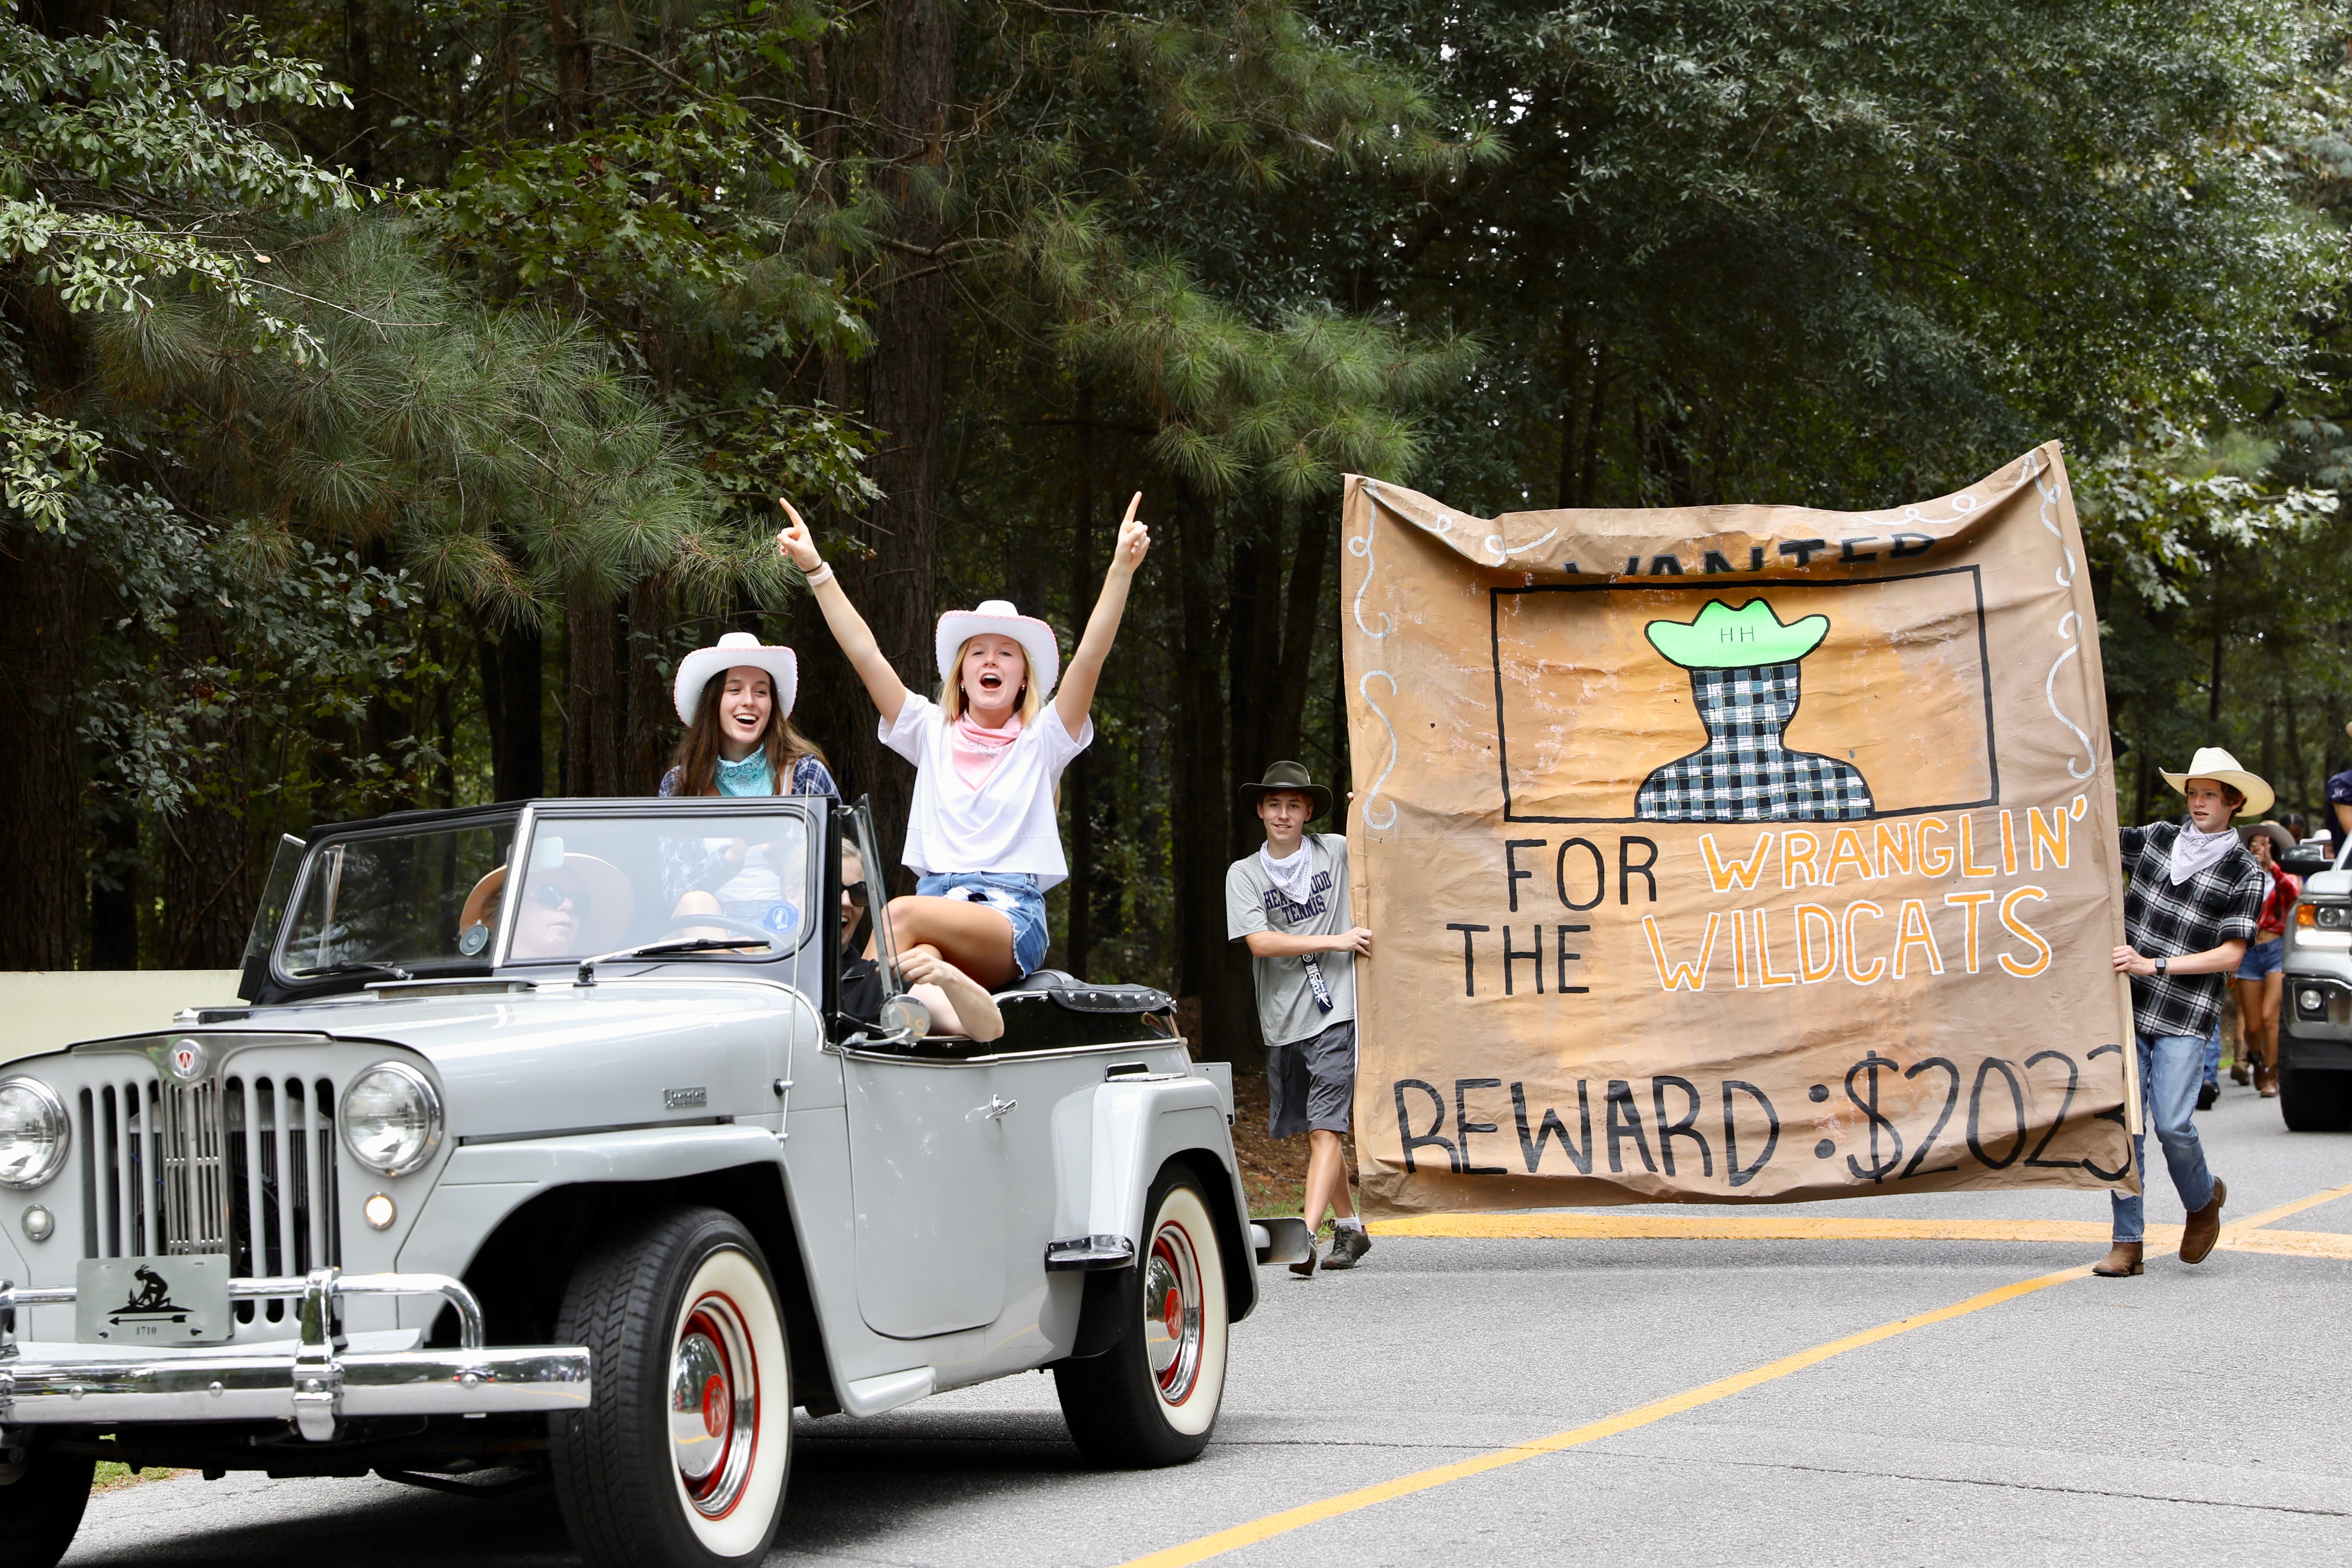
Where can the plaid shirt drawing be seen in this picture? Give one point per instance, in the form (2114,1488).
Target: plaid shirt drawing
(2161,919)
(1743,773)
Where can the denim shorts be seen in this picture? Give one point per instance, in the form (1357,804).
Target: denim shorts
(2263,958)
(1013,894)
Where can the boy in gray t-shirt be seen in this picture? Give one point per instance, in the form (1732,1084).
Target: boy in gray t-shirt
(1288,903)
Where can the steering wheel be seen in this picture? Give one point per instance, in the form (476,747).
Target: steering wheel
(682,923)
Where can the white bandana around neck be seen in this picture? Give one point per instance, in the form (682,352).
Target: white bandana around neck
(1294,878)
(2193,851)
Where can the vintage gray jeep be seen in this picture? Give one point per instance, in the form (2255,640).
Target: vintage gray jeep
(2315,1046)
(567,1176)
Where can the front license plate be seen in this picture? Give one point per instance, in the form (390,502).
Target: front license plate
(152,1300)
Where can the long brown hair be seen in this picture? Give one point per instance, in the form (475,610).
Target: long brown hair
(697,748)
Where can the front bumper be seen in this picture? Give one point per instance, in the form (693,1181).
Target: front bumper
(320,1383)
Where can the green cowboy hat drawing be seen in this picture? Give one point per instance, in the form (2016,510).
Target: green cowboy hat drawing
(1725,638)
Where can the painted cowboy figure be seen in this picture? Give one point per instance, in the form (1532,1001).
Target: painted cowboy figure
(2193,903)
(1744,678)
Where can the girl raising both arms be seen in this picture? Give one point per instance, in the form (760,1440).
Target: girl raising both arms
(982,833)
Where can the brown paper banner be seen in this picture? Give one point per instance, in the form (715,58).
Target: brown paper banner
(1732,854)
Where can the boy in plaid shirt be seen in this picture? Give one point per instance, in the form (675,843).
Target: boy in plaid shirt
(2192,908)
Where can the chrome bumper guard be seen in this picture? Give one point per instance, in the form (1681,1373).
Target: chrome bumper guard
(320,1384)
(1285,1240)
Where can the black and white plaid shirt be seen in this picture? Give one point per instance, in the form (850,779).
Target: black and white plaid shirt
(2162,919)
(1744,772)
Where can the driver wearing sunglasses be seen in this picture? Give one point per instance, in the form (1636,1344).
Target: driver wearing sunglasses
(959,1005)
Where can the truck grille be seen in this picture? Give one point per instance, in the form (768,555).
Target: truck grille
(244,1166)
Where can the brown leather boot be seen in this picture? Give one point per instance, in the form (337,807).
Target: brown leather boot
(2121,1261)
(2204,1227)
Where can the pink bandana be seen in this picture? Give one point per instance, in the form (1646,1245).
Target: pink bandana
(976,749)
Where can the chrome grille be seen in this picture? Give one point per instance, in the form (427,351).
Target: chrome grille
(244,1165)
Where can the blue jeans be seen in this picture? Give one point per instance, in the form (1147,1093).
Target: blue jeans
(2213,1057)
(1013,894)
(2169,1073)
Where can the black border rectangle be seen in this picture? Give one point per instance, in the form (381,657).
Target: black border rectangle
(1502,742)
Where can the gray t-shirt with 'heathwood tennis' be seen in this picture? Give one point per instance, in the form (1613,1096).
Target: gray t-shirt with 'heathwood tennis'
(1286,1007)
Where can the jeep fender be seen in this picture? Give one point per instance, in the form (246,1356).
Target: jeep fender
(1111,1141)
(484,1183)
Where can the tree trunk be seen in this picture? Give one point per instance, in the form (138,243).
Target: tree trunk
(1202,812)
(192,28)
(906,388)
(114,886)
(40,659)
(511,695)
(359,75)
(568,42)
(596,692)
(206,851)
(1078,782)
(653,713)
(1302,614)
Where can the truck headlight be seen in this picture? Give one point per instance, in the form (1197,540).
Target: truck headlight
(391,1119)
(33,1131)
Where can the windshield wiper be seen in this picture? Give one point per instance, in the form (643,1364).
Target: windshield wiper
(330,971)
(658,949)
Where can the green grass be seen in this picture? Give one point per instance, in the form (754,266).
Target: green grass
(112,1475)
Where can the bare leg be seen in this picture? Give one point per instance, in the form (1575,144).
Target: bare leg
(2272,988)
(1326,1178)
(974,937)
(697,903)
(2249,994)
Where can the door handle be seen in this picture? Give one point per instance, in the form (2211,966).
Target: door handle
(995,1109)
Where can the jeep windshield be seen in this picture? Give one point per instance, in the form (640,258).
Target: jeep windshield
(665,875)
(393,898)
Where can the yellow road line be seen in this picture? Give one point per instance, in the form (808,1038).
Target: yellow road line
(1282,1523)
(1741,1227)
(2267,1215)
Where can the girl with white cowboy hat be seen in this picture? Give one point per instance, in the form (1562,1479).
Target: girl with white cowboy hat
(988,755)
(736,702)
(2191,907)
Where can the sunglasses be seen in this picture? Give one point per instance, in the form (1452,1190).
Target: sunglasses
(854,892)
(554,896)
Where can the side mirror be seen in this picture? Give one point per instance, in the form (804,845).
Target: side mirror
(905,1018)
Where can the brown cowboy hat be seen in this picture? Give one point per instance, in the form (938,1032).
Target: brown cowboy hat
(1293,777)
(609,898)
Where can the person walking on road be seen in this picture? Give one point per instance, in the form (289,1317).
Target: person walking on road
(1289,905)
(2260,977)
(2192,908)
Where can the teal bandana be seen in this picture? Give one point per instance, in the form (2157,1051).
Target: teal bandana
(750,776)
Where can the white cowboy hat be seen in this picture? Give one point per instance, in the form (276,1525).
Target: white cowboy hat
(696,669)
(1036,637)
(2213,762)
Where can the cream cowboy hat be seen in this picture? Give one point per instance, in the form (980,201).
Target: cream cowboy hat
(2213,762)
(998,615)
(697,671)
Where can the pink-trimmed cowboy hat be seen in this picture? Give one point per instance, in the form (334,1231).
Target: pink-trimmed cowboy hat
(998,615)
(698,668)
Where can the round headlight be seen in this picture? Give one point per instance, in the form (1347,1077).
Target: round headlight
(33,1129)
(391,1119)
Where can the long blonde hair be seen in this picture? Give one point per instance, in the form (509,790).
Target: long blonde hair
(697,748)
(951,702)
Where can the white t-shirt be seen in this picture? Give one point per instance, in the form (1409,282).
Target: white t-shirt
(1008,823)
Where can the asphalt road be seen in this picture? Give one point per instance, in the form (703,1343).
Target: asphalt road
(2193,1414)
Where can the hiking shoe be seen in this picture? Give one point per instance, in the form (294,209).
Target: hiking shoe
(1305,1269)
(1348,1242)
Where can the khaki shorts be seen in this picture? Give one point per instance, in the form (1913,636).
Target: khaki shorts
(1313,1082)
